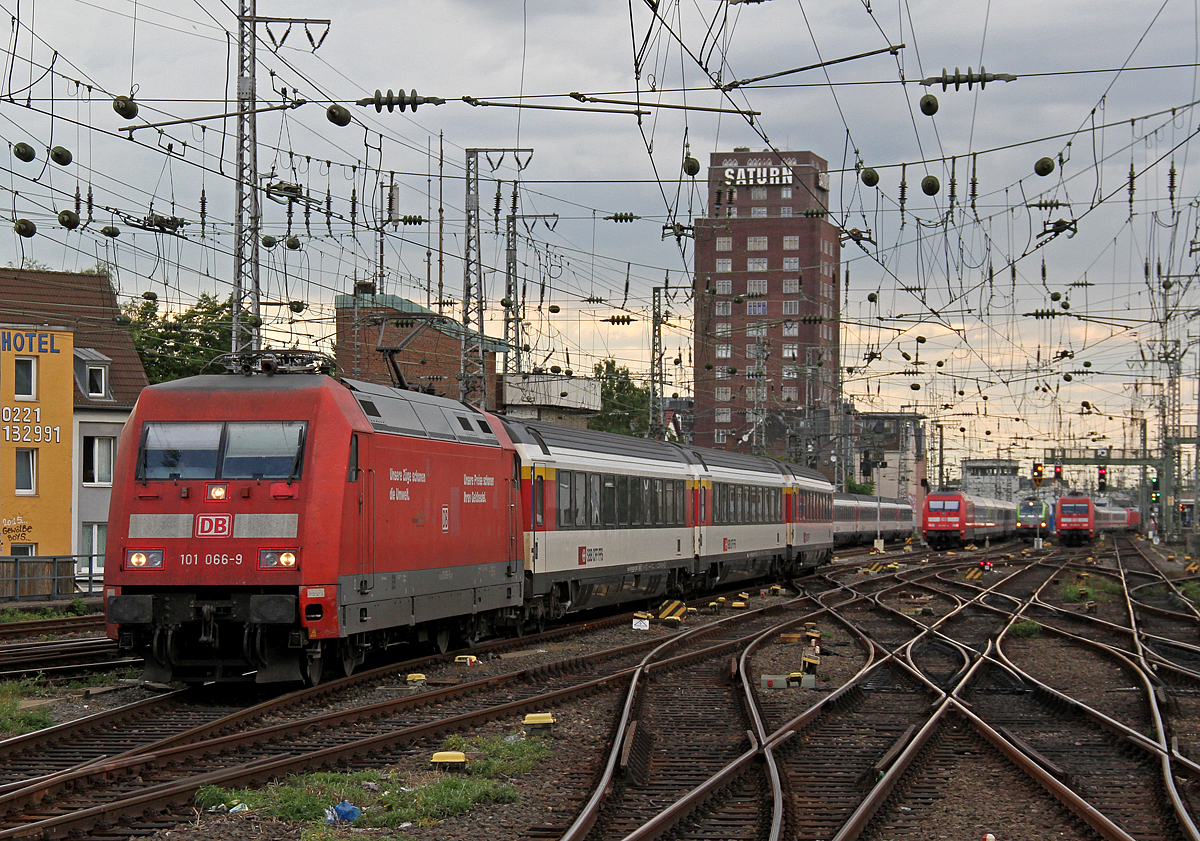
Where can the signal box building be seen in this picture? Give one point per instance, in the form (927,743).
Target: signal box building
(767,305)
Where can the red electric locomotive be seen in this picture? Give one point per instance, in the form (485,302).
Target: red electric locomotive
(1078,520)
(276,523)
(953,518)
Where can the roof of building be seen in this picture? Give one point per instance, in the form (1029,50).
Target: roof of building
(444,324)
(86,304)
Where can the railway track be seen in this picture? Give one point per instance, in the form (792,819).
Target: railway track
(23,629)
(934,692)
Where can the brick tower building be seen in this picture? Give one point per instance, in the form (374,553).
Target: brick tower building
(767,306)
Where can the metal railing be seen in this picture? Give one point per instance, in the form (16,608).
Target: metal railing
(33,577)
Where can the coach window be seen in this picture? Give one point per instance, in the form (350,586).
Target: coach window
(565,517)
(680,503)
(636,509)
(622,500)
(649,501)
(594,500)
(669,502)
(581,488)
(660,507)
(539,501)
(608,500)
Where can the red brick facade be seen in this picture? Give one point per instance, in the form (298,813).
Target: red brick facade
(431,360)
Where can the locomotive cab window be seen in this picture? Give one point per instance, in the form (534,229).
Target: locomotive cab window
(251,450)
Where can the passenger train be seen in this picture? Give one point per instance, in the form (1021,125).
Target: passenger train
(858,518)
(275,523)
(951,519)
(1080,520)
(1035,518)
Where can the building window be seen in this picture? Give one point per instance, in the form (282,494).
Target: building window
(724,264)
(758,212)
(791,351)
(723,351)
(724,330)
(722,393)
(791,243)
(758,194)
(785,212)
(791,372)
(97,380)
(724,243)
(91,547)
(724,287)
(791,307)
(756,243)
(756,287)
(790,393)
(97,460)
(785,192)
(791,328)
(722,373)
(25,378)
(756,308)
(724,415)
(756,264)
(724,308)
(757,330)
(719,435)
(791,285)
(23,550)
(791,264)
(26,472)
(731,212)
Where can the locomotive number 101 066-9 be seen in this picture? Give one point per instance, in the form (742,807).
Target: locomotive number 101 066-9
(194,559)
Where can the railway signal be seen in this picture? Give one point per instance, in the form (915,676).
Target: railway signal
(1101,478)
(1058,473)
(1037,475)
(1154,494)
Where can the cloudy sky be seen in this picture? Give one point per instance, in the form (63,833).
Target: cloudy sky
(1103,88)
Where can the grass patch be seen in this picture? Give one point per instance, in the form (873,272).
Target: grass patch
(1071,591)
(14,720)
(389,798)
(1026,629)
(1190,591)
(12,614)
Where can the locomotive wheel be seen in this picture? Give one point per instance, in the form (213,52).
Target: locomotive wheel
(314,670)
(347,659)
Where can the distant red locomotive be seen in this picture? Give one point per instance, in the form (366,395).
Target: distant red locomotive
(277,523)
(952,518)
(1078,520)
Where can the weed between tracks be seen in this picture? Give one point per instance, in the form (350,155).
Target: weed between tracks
(389,799)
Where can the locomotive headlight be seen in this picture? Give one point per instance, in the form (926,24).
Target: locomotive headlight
(276,559)
(218,492)
(143,558)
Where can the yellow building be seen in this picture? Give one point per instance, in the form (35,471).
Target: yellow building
(37,391)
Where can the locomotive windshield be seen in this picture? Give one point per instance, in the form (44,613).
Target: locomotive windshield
(943,505)
(242,450)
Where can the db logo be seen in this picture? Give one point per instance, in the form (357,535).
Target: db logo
(214,525)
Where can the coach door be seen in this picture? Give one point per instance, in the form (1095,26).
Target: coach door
(540,483)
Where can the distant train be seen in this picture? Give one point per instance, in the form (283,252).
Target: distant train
(951,519)
(858,518)
(276,523)
(1035,518)
(1080,520)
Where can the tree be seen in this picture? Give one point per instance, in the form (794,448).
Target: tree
(853,487)
(624,405)
(175,346)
